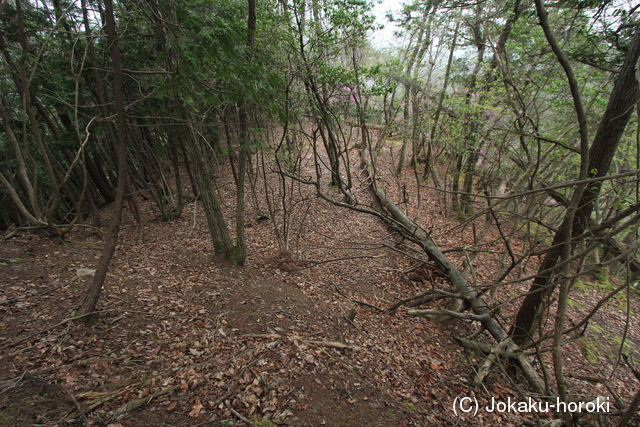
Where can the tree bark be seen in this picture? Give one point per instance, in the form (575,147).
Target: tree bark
(400,222)
(203,172)
(91,298)
(619,108)
(99,178)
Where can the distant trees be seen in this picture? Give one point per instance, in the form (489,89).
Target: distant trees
(166,86)
(39,173)
(223,85)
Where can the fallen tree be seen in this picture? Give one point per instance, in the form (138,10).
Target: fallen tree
(387,211)
(401,223)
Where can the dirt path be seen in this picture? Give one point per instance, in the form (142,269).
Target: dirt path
(184,339)
(173,317)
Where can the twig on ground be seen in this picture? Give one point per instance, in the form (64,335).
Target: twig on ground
(355,300)
(35,334)
(316,263)
(346,317)
(15,382)
(79,409)
(85,421)
(134,404)
(241,417)
(332,344)
(48,291)
(12,231)
(232,389)
(406,300)
(366,304)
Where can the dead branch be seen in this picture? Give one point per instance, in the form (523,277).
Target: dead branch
(398,221)
(439,295)
(134,404)
(483,371)
(83,416)
(10,301)
(241,417)
(333,344)
(630,365)
(505,351)
(406,300)
(434,313)
(12,231)
(232,389)
(12,383)
(317,263)
(35,334)
(100,398)
(81,412)
(267,336)
(630,411)
(366,304)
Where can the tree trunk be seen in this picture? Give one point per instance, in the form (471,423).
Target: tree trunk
(98,176)
(466,201)
(482,312)
(428,168)
(91,298)
(222,243)
(472,118)
(457,163)
(619,108)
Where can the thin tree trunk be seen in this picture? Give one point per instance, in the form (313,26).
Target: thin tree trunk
(402,224)
(99,178)
(436,118)
(27,110)
(91,298)
(34,216)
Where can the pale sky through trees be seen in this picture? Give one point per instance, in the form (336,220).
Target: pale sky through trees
(384,37)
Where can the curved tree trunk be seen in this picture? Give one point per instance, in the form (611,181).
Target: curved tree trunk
(91,298)
(623,97)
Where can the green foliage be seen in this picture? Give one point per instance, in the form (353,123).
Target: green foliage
(581,286)
(214,56)
(572,303)
(620,341)
(383,77)
(595,348)
(602,276)
(408,405)
(592,350)
(585,4)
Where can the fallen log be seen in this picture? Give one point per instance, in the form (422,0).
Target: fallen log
(397,220)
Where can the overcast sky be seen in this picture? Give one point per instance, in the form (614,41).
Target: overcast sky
(384,37)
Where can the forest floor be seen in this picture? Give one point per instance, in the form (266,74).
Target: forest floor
(182,338)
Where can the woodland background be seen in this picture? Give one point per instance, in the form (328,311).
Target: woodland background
(482,173)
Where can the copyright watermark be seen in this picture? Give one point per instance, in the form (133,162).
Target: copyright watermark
(469,405)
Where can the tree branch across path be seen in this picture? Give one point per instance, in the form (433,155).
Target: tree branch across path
(409,230)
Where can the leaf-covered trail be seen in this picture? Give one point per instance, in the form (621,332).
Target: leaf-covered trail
(260,341)
(185,339)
